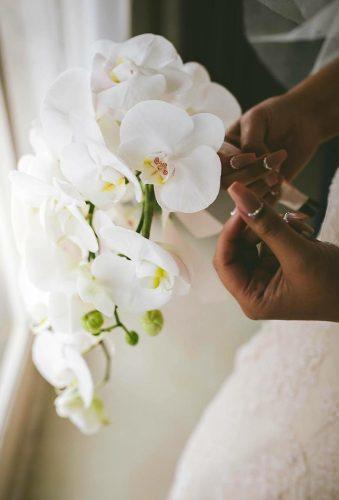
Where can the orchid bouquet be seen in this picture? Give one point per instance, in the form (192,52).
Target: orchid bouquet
(135,136)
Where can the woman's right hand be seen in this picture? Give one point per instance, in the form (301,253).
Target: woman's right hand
(289,277)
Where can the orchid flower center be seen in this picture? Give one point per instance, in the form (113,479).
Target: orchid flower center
(159,275)
(157,168)
(123,70)
(111,186)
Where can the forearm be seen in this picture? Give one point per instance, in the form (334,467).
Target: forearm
(318,97)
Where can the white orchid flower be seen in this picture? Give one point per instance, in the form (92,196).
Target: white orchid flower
(67,112)
(205,96)
(65,311)
(137,273)
(175,152)
(35,300)
(62,364)
(71,127)
(144,67)
(99,175)
(62,211)
(69,404)
(51,266)
(92,291)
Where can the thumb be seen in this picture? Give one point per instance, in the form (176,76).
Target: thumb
(286,244)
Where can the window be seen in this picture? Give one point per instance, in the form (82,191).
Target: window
(38,40)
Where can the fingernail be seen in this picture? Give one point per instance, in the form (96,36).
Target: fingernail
(294,216)
(241,160)
(246,201)
(234,211)
(274,160)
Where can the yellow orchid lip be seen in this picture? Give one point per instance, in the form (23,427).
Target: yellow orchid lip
(113,77)
(159,275)
(110,186)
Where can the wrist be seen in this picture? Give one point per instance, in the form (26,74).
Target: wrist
(309,112)
(317,99)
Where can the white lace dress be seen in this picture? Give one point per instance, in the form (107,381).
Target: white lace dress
(272,432)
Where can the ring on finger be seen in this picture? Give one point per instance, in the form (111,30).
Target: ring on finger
(256,212)
(266,165)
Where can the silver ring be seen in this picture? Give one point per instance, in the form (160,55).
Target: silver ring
(266,164)
(256,212)
(231,163)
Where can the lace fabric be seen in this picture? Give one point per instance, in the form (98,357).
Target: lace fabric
(272,432)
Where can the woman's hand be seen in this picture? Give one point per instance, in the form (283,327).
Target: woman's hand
(260,174)
(279,122)
(290,277)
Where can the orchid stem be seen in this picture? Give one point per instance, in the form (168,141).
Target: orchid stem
(148,207)
(108,363)
(91,255)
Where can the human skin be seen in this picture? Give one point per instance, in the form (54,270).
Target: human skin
(289,277)
(298,121)
(292,276)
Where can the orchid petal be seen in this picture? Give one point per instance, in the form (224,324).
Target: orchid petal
(196,182)
(208,130)
(149,50)
(126,94)
(153,126)
(33,191)
(222,103)
(60,364)
(67,110)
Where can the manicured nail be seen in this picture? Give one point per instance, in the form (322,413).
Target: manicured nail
(241,160)
(234,211)
(246,201)
(290,216)
(274,160)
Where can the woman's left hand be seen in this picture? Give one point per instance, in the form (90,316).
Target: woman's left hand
(290,277)
(261,174)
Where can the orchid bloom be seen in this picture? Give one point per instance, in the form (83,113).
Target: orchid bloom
(100,176)
(70,126)
(39,183)
(62,364)
(144,67)
(175,152)
(89,419)
(205,96)
(137,274)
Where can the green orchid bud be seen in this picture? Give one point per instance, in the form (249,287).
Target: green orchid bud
(132,338)
(152,322)
(92,322)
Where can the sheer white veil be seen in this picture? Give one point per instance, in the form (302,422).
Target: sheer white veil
(293,37)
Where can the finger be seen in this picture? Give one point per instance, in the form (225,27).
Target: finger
(233,133)
(227,150)
(260,188)
(297,221)
(253,131)
(286,244)
(232,270)
(273,196)
(256,170)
